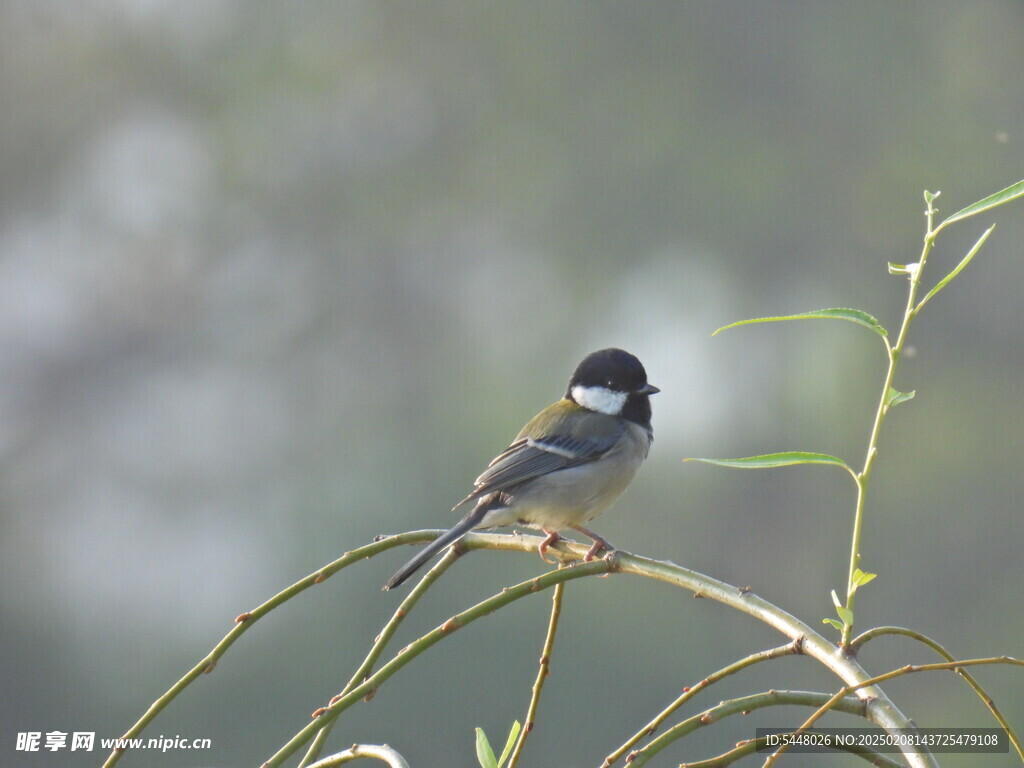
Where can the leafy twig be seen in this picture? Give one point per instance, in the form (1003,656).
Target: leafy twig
(889,396)
(884,403)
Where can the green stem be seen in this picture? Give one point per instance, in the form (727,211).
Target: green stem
(883,408)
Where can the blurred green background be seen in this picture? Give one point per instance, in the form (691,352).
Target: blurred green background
(277,278)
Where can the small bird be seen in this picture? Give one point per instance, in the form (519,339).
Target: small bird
(568,464)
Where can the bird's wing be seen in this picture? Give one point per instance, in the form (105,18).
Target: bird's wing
(530,457)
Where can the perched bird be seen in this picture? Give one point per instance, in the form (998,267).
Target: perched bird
(568,464)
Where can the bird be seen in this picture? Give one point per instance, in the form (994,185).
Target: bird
(568,464)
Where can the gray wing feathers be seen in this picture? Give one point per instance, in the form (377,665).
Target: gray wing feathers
(526,459)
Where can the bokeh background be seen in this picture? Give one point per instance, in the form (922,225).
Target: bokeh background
(277,278)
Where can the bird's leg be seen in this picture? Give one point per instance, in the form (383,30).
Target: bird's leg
(599,543)
(542,548)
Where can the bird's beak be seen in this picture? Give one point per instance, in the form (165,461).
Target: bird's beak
(648,389)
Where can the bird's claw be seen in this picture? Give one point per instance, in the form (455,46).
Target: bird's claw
(596,547)
(542,548)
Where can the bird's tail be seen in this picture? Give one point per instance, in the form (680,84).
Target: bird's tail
(454,533)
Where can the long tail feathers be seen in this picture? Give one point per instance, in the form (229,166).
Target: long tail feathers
(455,533)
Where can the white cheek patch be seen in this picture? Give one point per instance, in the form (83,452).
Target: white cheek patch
(600,399)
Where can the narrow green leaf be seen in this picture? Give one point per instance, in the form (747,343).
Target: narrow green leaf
(898,269)
(512,736)
(845,615)
(956,270)
(852,315)
(835,600)
(834,623)
(929,197)
(1012,192)
(769,460)
(895,397)
(484,753)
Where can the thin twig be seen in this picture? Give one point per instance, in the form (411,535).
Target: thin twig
(989,702)
(851,705)
(379,643)
(380,752)
(909,668)
(881,710)
(248,619)
(743,749)
(690,691)
(415,648)
(542,673)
